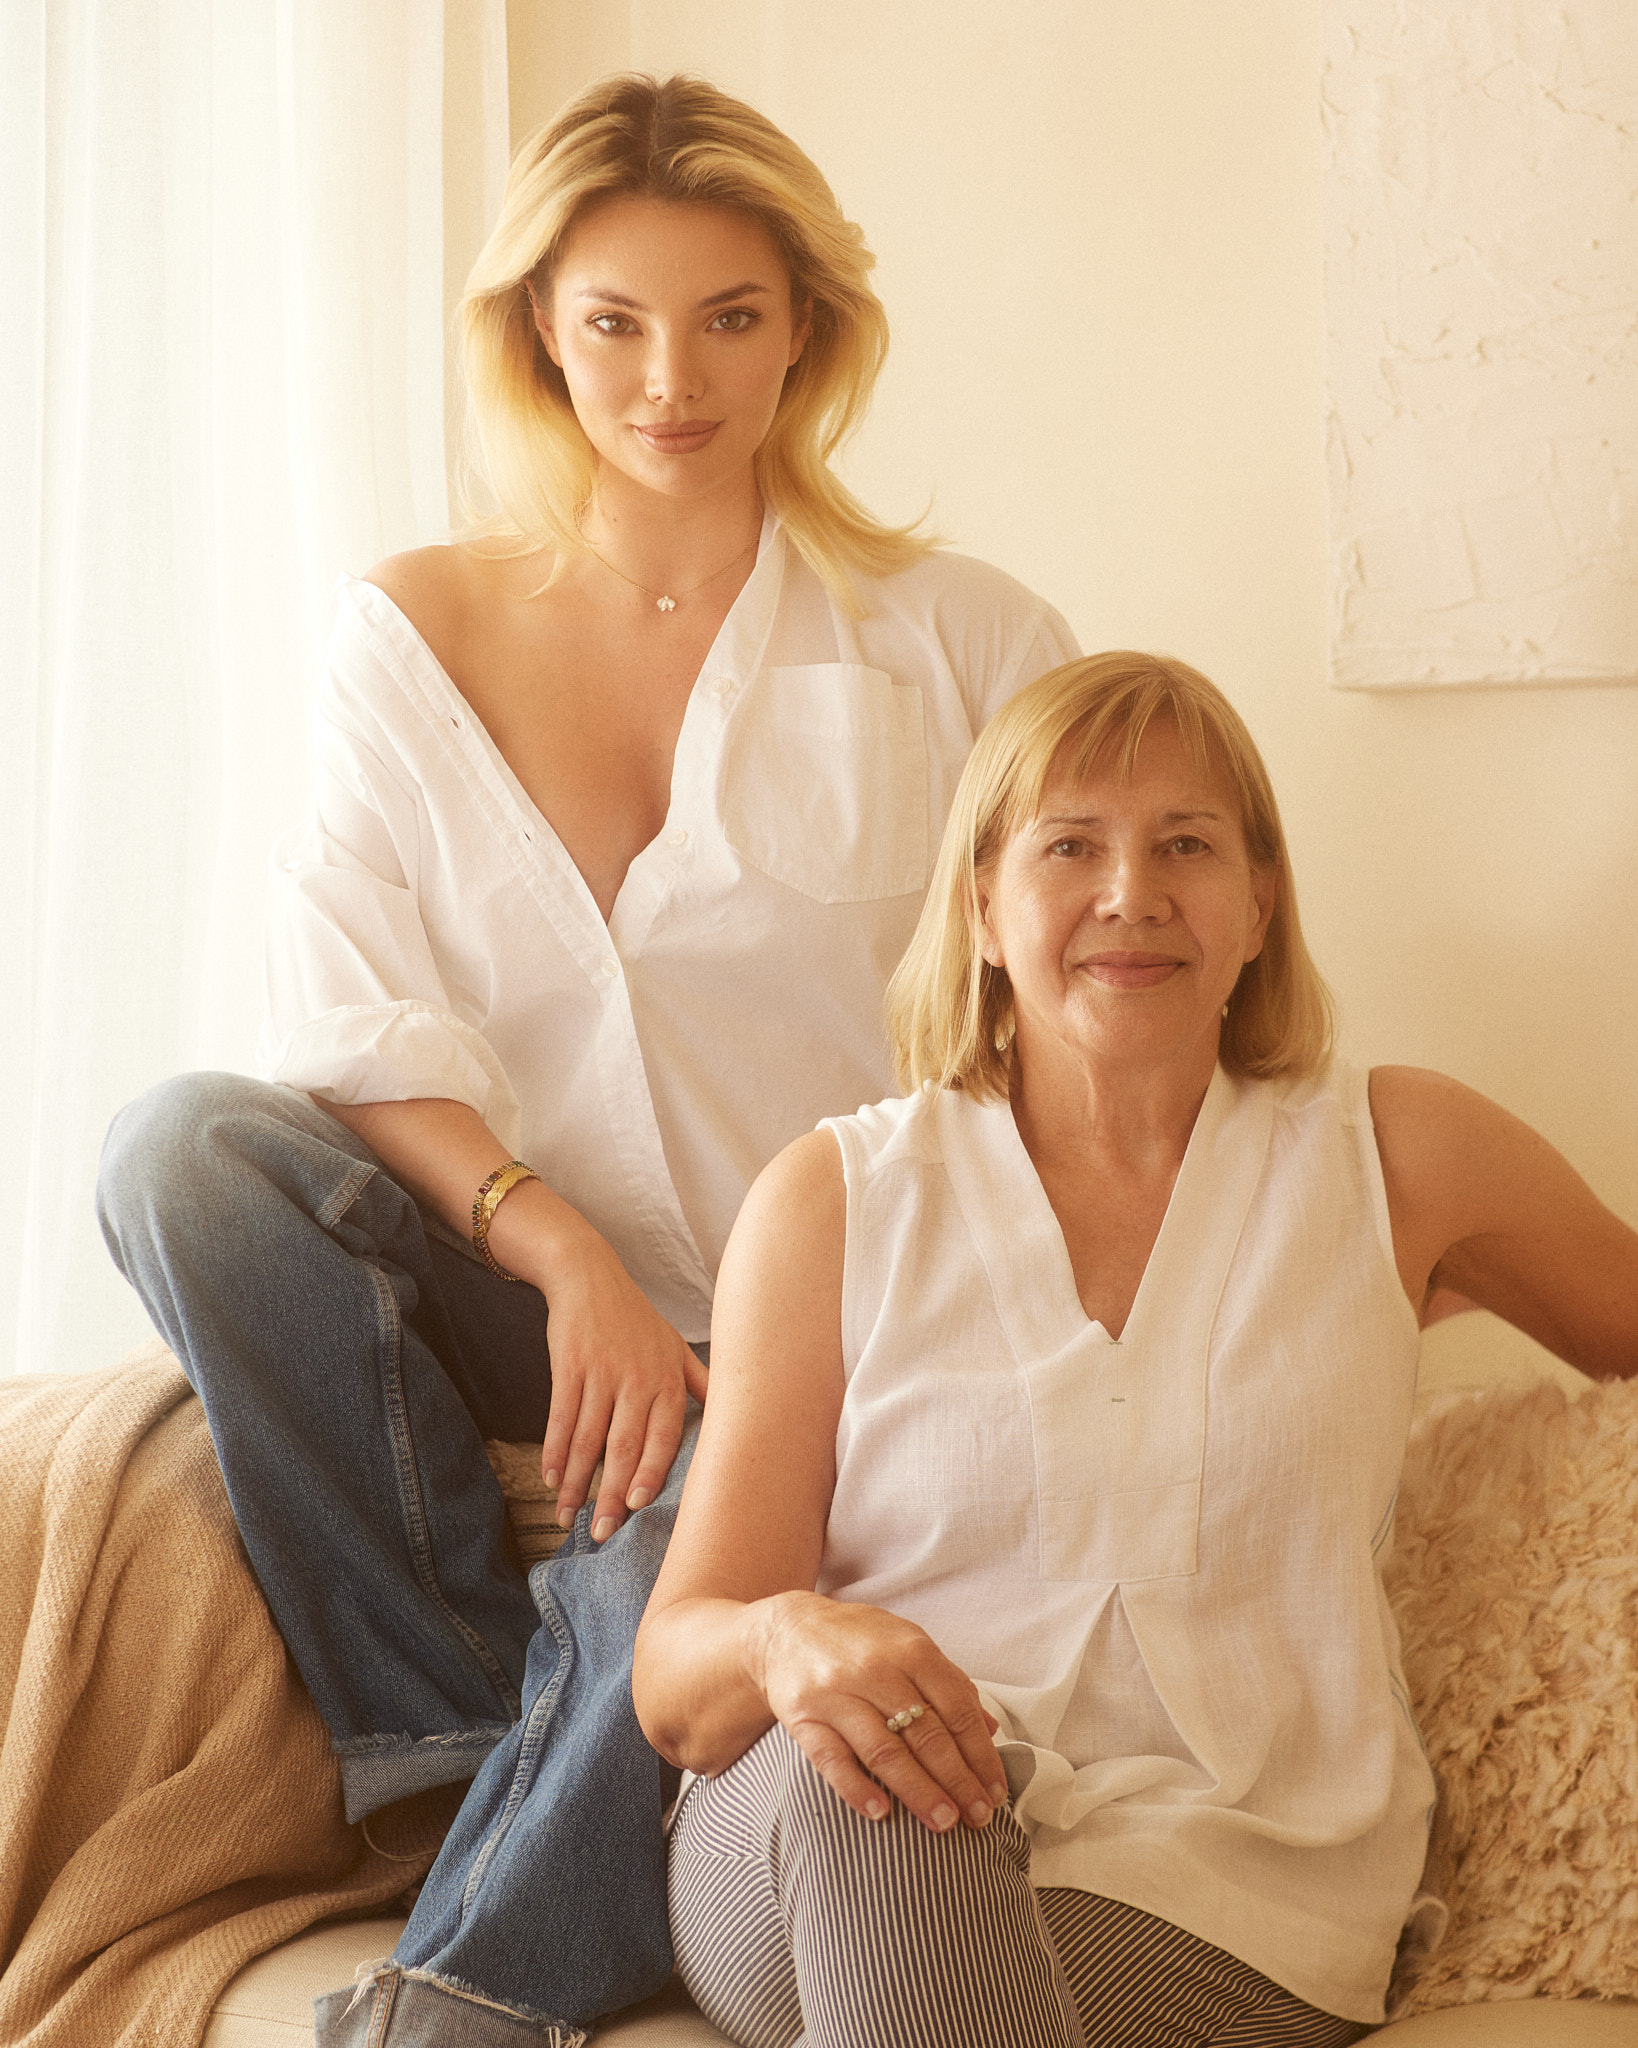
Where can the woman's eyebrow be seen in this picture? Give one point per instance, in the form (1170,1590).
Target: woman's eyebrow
(735,291)
(1089,818)
(738,291)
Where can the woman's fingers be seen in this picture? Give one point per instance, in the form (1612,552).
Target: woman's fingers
(633,1428)
(862,1760)
(642,1442)
(834,1760)
(960,1716)
(586,1442)
(662,1435)
(620,1379)
(911,1720)
(923,1766)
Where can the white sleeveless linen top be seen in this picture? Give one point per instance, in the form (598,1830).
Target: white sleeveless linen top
(1158,1558)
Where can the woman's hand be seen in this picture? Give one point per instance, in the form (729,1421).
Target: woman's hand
(621,1377)
(620,1374)
(835,1674)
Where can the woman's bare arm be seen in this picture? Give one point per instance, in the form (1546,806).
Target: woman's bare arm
(620,1372)
(752,1520)
(735,1638)
(1482,1206)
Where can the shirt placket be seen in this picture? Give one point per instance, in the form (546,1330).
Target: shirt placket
(656,881)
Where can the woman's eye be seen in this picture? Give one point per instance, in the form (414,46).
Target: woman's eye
(1066,849)
(611,323)
(734,320)
(1187,844)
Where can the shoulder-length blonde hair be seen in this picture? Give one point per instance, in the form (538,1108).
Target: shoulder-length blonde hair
(676,139)
(949,1012)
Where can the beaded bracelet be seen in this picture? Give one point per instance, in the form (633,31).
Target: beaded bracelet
(487,1200)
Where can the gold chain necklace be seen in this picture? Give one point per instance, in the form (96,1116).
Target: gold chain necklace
(663,601)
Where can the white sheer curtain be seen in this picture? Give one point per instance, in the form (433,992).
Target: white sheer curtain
(222,382)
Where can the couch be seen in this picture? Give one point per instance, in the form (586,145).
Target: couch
(1478,1499)
(1514,1577)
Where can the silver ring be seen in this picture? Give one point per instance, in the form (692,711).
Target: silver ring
(897,1723)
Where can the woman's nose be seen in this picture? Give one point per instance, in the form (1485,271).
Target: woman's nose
(1132,890)
(673,372)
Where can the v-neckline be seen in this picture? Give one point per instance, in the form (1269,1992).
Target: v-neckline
(463,732)
(1027,1257)
(1026,1175)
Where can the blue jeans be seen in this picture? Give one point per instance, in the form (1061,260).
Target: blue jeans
(351,1359)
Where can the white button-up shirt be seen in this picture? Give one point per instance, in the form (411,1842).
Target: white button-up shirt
(430,936)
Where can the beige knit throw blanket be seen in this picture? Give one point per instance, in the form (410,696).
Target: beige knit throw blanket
(169,1804)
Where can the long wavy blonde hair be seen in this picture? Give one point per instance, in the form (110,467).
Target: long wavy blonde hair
(949,1012)
(675,139)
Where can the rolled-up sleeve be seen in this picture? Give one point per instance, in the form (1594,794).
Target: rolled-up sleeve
(357,1010)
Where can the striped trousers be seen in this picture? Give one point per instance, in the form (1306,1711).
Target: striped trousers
(797,1922)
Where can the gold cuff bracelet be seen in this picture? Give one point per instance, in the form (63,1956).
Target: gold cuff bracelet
(487,1200)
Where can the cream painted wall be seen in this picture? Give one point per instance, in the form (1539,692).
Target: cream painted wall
(1099,228)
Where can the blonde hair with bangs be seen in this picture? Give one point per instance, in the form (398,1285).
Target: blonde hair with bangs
(675,139)
(949,1012)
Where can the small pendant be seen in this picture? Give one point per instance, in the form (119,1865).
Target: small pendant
(665,604)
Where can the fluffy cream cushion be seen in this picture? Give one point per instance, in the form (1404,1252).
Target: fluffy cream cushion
(1515,1580)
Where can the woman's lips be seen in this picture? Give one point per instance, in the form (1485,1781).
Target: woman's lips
(1130,970)
(681,439)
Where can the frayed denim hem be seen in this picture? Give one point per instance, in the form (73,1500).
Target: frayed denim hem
(377,1769)
(391,2007)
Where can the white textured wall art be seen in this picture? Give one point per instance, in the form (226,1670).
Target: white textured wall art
(1482,313)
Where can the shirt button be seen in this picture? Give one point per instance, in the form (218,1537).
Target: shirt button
(611,968)
(676,837)
(723,688)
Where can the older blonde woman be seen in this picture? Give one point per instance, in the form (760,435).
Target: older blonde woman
(626,809)
(1023,1612)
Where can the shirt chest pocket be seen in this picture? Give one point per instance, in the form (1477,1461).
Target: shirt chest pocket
(825,784)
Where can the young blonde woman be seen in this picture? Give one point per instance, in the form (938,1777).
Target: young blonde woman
(626,809)
(1024,1608)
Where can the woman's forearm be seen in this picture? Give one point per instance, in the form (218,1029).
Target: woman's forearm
(712,1675)
(695,1679)
(620,1374)
(442,1152)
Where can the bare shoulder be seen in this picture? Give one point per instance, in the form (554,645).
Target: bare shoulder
(1482,1206)
(1430,1127)
(779,1290)
(1458,1166)
(1412,1105)
(455,596)
(435,588)
(801,1186)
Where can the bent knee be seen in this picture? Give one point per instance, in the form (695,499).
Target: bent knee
(165,1148)
(806,1801)
(809,1809)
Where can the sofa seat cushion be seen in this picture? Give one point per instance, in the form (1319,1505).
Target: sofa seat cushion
(1519,2023)
(270,2005)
